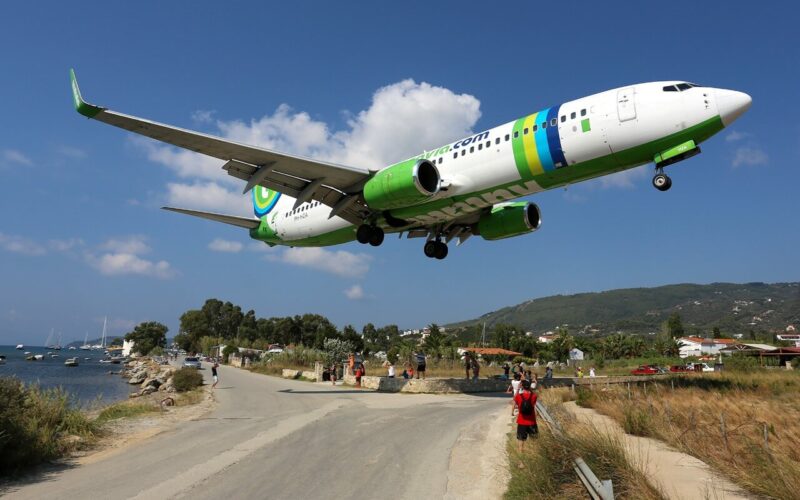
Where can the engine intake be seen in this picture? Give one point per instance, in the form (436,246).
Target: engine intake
(402,185)
(509,219)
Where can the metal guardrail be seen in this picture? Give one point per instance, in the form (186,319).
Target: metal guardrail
(597,489)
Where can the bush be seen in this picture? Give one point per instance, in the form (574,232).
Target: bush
(741,363)
(637,422)
(528,361)
(229,349)
(796,362)
(35,424)
(187,379)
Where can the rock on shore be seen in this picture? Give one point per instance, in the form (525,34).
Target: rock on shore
(151,375)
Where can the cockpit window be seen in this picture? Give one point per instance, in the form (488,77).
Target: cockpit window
(670,88)
(684,86)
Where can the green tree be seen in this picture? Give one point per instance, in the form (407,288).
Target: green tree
(350,334)
(434,340)
(194,325)
(562,344)
(675,326)
(503,333)
(717,334)
(147,336)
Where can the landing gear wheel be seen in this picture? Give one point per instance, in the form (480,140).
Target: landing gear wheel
(376,236)
(441,250)
(430,249)
(662,182)
(363,234)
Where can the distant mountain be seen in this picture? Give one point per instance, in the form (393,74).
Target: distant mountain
(734,308)
(109,341)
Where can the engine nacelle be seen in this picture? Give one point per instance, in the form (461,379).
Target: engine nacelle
(402,185)
(509,219)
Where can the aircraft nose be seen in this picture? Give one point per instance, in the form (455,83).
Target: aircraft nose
(731,104)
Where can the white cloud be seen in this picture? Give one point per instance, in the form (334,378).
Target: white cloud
(65,245)
(749,156)
(21,245)
(338,262)
(626,179)
(203,116)
(208,196)
(403,119)
(122,256)
(220,245)
(736,136)
(134,244)
(14,157)
(116,264)
(355,292)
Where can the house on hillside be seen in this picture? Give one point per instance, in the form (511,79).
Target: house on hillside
(697,346)
(546,339)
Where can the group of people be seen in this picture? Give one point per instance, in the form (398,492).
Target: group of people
(579,372)
(471,363)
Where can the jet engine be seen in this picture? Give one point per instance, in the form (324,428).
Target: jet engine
(509,219)
(402,185)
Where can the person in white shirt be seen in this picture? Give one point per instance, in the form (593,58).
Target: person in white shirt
(591,372)
(515,385)
(391,370)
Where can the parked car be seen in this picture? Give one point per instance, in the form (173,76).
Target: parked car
(192,362)
(699,367)
(679,369)
(645,370)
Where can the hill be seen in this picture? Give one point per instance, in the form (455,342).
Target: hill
(109,341)
(733,308)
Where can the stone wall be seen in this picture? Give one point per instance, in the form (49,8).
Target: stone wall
(429,386)
(299,373)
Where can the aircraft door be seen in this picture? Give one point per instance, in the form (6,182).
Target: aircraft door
(626,104)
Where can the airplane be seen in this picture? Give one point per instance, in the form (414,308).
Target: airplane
(463,188)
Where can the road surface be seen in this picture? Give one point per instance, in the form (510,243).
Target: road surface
(274,438)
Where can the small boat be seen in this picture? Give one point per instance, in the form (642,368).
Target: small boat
(38,357)
(87,359)
(30,358)
(72,348)
(2,359)
(105,361)
(71,362)
(54,355)
(20,347)
(27,353)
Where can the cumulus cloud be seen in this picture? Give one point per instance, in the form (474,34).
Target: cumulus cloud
(122,256)
(203,116)
(65,245)
(355,292)
(21,245)
(736,136)
(339,262)
(402,120)
(72,152)
(749,156)
(220,245)
(13,157)
(626,179)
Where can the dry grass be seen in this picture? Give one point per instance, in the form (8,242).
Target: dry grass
(720,419)
(547,460)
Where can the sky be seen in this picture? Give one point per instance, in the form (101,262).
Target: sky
(369,83)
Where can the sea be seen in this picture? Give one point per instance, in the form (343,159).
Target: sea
(90,384)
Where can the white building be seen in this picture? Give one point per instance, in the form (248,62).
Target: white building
(575,354)
(127,346)
(546,339)
(696,346)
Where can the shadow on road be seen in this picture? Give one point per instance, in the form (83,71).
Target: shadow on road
(39,474)
(340,391)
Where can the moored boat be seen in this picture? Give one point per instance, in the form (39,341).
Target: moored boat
(71,362)
(20,347)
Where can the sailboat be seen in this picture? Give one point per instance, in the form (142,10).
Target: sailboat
(86,346)
(102,344)
(20,347)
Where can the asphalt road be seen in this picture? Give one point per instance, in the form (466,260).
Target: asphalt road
(274,438)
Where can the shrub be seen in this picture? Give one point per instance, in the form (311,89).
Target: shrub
(124,409)
(34,425)
(528,361)
(636,421)
(187,379)
(229,349)
(741,363)
(796,362)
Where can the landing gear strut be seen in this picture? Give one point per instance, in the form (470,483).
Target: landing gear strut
(369,234)
(661,181)
(435,249)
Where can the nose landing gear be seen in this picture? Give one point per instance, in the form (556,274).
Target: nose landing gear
(661,181)
(435,249)
(369,234)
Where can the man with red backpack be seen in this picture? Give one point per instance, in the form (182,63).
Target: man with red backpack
(525,400)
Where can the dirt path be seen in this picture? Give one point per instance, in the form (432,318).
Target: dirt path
(678,475)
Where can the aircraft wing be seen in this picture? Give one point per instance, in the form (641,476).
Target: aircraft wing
(334,185)
(225,219)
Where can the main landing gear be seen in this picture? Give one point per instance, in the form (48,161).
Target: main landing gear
(435,249)
(369,234)
(661,181)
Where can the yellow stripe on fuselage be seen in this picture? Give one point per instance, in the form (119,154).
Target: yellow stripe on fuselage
(529,144)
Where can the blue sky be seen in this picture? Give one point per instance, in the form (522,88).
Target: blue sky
(81,235)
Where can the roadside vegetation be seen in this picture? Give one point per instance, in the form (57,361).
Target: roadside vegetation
(742,423)
(124,409)
(547,470)
(186,379)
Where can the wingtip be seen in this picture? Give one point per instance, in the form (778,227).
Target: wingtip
(81,106)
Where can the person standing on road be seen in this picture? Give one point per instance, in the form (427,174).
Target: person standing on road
(333,373)
(514,389)
(506,370)
(421,361)
(526,418)
(214,374)
(391,369)
(359,373)
(467,363)
(476,368)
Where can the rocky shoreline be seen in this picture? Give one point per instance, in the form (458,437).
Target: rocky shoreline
(150,376)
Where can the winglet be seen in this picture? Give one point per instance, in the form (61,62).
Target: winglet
(81,106)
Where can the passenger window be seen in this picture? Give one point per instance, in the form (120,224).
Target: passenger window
(463,152)
(488,143)
(535,128)
(516,134)
(670,88)
(583,112)
(563,118)
(480,146)
(525,131)
(572,116)
(497,141)
(441,160)
(553,122)
(544,124)
(472,149)
(507,137)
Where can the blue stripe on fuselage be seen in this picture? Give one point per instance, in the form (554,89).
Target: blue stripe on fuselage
(553,139)
(542,145)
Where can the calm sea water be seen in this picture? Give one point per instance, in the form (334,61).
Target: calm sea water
(85,383)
